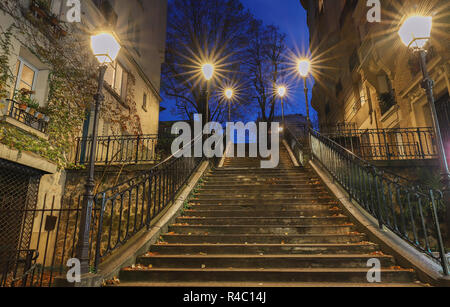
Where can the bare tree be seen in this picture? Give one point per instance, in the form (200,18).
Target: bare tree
(264,64)
(199,31)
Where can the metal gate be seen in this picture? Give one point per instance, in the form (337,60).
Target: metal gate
(19,187)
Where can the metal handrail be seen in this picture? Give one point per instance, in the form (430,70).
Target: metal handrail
(409,211)
(131,149)
(388,144)
(122,211)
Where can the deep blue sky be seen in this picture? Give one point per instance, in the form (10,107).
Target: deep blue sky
(290,17)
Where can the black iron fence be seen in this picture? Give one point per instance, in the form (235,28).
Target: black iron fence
(410,212)
(27,115)
(388,144)
(124,149)
(126,209)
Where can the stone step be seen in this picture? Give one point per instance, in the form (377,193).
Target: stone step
(251,194)
(258,229)
(287,221)
(208,188)
(266,261)
(263,249)
(264,238)
(259,205)
(343,275)
(222,285)
(260,213)
(242,200)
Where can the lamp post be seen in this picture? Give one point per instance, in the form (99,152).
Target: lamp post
(281,91)
(105,48)
(303,68)
(229,95)
(415,32)
(208,73)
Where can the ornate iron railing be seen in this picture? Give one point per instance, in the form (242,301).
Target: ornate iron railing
(410,212)
(124,149)
(123,211)
(388,144)
(24,114)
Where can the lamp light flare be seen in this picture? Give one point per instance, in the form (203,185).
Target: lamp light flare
(303,67)
(208,71)
(281,91)
(416,31)
(105,47)
(229,93)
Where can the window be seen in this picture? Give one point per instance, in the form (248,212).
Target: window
(25,75)
(116,77)
(144,102)
(383,83)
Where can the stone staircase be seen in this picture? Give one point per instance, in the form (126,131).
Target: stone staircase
(248,226)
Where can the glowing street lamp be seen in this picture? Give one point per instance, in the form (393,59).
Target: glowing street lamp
(229,95)
(282,91)
(304,67)
(208,73)
(415,32)
(106,49)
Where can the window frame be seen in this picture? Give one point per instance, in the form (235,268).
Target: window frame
(23,62)
(121,92)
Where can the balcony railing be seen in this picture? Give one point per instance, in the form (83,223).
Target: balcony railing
(122,149)
(27,116)
(388,144)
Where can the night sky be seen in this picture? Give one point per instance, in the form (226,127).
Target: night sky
(290,17)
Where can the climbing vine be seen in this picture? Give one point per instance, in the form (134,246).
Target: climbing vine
(72,84)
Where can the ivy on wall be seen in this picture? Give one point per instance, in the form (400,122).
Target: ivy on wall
(72,84)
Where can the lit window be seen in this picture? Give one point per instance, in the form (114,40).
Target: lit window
(25,75)
(115,76)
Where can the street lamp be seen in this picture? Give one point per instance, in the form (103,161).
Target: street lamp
(415,33)
(304,67)
(208,73)
(229,95)
(282,91)
(105,48)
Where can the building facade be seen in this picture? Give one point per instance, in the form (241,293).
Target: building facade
(369,81)
(46,102)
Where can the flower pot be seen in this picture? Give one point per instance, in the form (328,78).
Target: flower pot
(46,119)
(39,115)
(32,111)
(23,107)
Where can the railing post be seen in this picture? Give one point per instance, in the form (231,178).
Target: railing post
(443,255)
(420,144)
(386,145)
(137,149)
(107,149)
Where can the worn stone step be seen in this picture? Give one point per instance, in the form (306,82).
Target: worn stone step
(260,187)
(291,221)
(321,212)
(250,201)
(343,275)
(264,238)
(258,229)
(253,206)
(274,195)
(265,261)
(222,285)
(261,249)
